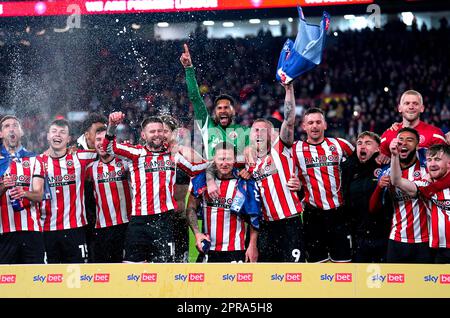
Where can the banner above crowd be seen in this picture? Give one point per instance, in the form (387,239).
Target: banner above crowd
(65,7)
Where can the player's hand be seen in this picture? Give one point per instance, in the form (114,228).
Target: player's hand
(8,182)
(251,254)
(116,118)
(199,237)
(384,182)
(288,87)
(244,174)
(394,127)
(395,146)
(382,159)
(213,189)
(16,193)
(185,58)
(294,183)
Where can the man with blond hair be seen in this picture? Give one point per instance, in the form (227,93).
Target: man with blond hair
(410,107)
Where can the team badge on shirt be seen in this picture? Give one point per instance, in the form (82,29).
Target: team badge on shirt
(332,148)
(26,164)
(232,135)
(69,163)
(377,172)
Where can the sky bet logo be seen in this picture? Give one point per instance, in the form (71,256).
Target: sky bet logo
(96,278)
(191,277)
(50,278)
(144,277)
(337,277)
(239,277)
(392,278)
(8,279)
(288,277)
(443,279)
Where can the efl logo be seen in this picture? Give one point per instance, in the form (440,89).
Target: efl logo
(54,278)
(293,277)
(444,278)
(101,278)
(8,279)
(244,277)
(396,278)
(149,277)
(343,277)
(196,277)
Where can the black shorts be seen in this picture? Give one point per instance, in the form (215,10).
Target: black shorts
(150,239)
(410,253)
(327,235)
(108,244)
(222,257)
(369,250)
(66,246)
(23,247)
(281,241)
(442,255)
(181,237)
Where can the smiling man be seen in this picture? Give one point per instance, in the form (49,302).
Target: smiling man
(410,107)
(408,241)
(435,194)
(219,127)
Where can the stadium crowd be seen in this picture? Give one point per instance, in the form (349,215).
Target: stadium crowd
(360,89)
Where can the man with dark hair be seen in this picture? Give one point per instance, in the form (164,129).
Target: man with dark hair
(319,160)
(436,194)
(64,214)
(153,171)
(113,203)
(359,180)
(90,125)
(21,190)
(220,127)
(87,141)
(409,237)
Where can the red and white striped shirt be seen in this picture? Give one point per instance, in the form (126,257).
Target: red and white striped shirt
(409,222)
(320,171)
(66,175)
(111,191)
(152,176)
(439,211)
(226,230)
(22,171)
(271,173)
(429,135)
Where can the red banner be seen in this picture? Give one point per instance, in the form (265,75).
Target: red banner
(68,7)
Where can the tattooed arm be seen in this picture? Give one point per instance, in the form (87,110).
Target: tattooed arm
(287,128)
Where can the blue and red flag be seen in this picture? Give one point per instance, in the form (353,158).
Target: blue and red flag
(305,53)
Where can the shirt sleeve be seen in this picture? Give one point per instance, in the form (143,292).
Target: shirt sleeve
(123,151)
(200,110)
(191,168)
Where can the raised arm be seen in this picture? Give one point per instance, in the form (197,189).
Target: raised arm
(200,110)
(287,127)
(396,172)
(110,144)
